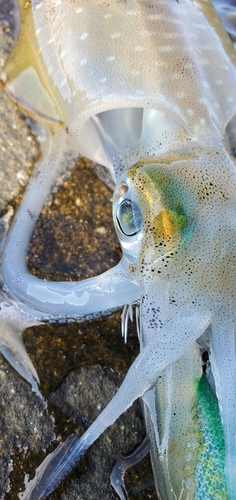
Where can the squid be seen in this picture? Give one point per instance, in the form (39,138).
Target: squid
(146,89)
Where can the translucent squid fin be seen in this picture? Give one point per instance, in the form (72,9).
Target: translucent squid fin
(12,346)
(13,320)
(223,363)
(140,378)
(25,77)
(168,411)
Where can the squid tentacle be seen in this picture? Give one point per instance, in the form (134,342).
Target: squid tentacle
(140,378)
(60,300)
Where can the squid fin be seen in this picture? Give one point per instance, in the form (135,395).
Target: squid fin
(223,362)
(12,346)
(26,79)
(13,320)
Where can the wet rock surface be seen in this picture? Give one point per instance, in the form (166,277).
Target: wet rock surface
(80,365)
(24,423)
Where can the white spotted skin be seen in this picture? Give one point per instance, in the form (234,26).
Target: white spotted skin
(142,54)
(147,88)
(100,56)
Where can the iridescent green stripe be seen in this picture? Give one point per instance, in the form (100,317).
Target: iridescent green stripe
(210,477)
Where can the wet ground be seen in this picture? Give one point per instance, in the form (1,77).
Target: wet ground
(80,366)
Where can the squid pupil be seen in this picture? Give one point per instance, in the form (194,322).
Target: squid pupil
(129,217)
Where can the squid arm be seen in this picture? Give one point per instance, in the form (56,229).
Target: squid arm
(141,377)
(56,299)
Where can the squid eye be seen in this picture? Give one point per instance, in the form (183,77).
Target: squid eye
(129,218)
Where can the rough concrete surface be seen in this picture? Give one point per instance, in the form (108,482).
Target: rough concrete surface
(80,366)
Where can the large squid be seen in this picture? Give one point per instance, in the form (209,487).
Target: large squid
(147,89)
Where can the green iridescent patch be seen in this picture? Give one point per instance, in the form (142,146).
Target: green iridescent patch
(210,476)
(175,201)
